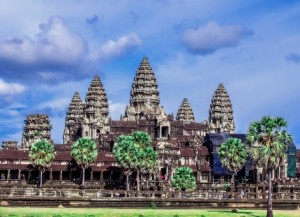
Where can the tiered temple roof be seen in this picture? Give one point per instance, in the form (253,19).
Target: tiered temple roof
(185,112)
(220,112)
(96,99)
(37,127)
(144,88)
(74,117)
(95,110)
(144,96)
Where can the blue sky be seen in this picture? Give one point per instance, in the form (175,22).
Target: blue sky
(50,49)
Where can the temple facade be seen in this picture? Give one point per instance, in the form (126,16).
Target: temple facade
(179,141)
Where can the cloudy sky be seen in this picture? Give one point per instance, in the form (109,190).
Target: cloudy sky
(50,49)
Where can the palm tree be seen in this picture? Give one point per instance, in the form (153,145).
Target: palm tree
(41,154)
(149,163)
(135,153)
(233,155)
(84,151)
(269,139)
(184,179)
(145,154)
(127,155)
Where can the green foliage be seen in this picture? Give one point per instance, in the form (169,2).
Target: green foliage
(126,152)
(227,187)
(41,154)
(233,154)
(152,205)
(135,152)
(141,138)
(130,212)
(84,151)
(269,139)
(149,161)
(184,179)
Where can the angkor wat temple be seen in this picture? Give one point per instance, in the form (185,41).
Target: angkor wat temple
(179,141)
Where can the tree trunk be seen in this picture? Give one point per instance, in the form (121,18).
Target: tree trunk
(83,175)
(138,181)
(270,202)
(41,178)
(127,182)
(232,184)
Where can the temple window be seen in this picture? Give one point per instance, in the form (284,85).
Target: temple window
(187,161)
(86,133)
(204,177)
(164,131)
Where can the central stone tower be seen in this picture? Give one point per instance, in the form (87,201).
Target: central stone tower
(144,95)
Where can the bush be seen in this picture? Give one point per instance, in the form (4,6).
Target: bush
(227,187)
(152,205)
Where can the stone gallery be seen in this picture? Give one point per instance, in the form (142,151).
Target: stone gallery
(179,141)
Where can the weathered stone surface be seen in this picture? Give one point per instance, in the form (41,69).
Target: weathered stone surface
(221,112)
(185,112)
(10,145)
(95,110)
(74,118)
(37,127)
(144,96)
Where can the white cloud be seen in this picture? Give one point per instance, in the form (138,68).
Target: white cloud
(10,88)
(116,110)
(212,37)
(58,104)
(55,43)
(123,45)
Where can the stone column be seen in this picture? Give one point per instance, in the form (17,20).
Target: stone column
(51,175)
(60,175)
(167,173)
(110,175)
(91,176)
(101,175)
(160,131)
(70,175)
(198,176)
(19,174)
(8,174)
(29,174)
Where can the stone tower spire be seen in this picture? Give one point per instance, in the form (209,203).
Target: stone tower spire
(220,112)
(37,127)
(144,95)
(74,118)
(95,110)
(144,88)
(185,112)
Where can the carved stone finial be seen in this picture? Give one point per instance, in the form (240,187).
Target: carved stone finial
(185,112)
(220,112)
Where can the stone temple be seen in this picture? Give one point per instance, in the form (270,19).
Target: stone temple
(179,141)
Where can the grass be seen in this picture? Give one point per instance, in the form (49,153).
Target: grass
(101,212)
